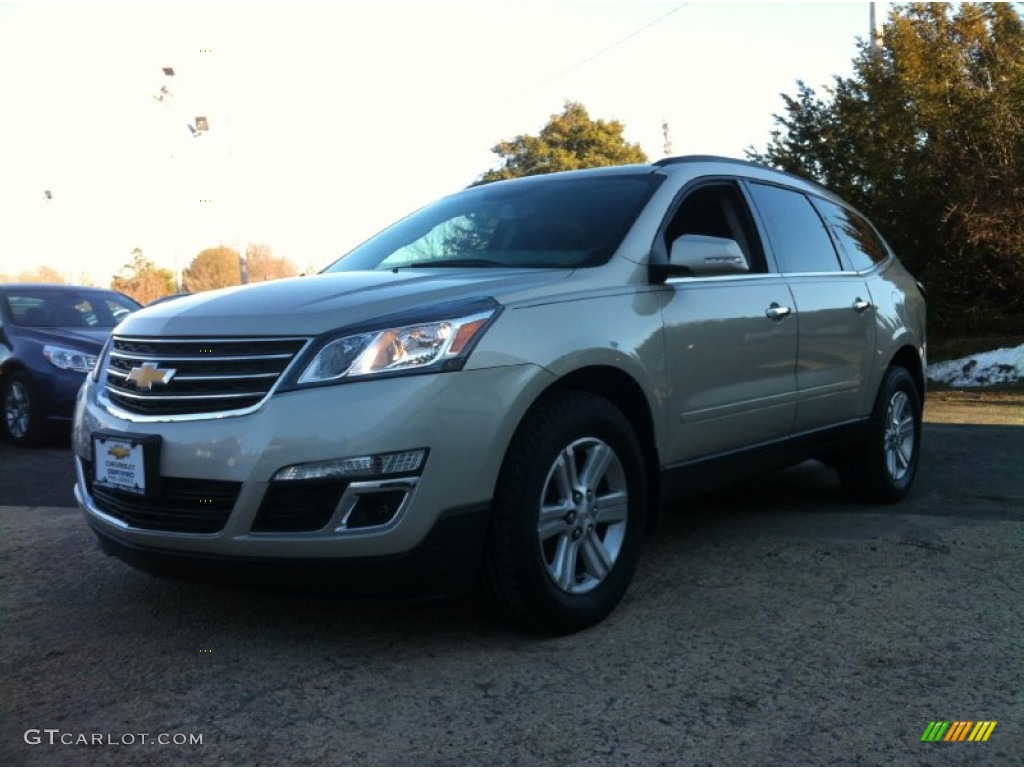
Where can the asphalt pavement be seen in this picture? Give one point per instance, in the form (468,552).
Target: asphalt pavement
(775,623)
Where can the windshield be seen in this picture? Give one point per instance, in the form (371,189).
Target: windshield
(67,308)
(540,222)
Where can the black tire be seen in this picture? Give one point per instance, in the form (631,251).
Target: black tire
(881,469)
(571,572)
(20,422)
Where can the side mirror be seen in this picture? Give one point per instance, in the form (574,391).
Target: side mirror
(705,256)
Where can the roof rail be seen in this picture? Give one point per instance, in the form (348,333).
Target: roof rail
(683,159)
(709,159)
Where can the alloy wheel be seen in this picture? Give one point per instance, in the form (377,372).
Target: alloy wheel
(899,435)
(583,513)
(17,409)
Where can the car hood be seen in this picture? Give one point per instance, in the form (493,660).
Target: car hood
(85,339)
(307,306)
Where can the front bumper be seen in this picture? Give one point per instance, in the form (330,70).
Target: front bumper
(464,420)
(55,392)
(445,563)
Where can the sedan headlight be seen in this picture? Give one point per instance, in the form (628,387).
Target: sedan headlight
(437,345)
(69,359)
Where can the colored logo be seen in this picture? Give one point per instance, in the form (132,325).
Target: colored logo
(119,452)
(146,375)
(958,730)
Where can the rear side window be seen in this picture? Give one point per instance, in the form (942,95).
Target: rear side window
(858,239)
(797,234)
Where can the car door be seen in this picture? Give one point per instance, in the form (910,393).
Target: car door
(834,312)
(731,341)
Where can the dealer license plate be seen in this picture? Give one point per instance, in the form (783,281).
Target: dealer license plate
(122,462)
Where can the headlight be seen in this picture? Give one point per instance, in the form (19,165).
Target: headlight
(69,359)
(437,345)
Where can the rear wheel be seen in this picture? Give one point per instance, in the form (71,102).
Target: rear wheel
(882,467)
(568,518)
(20,415)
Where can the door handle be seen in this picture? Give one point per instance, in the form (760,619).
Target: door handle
(859,305)
(777,312)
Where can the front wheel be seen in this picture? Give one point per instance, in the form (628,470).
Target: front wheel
(882,467)
(20,414)
(568,518)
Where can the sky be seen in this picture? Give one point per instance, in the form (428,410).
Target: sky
(330,120)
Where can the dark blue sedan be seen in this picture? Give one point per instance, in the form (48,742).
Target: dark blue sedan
(50,337)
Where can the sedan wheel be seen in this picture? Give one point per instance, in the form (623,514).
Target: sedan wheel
(19,411)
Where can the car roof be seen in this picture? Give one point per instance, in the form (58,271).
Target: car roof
(698,165)
(54,287)
(747,169)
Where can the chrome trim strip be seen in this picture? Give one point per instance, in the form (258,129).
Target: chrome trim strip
(228,377)
(139,418)
(207,339)
(358,489)
(688,279)
(175,398)
(758,275)
(163,357)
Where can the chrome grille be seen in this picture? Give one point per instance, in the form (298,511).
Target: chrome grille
(209,375)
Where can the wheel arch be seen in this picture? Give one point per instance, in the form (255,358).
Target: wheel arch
(625,393)
(907,357)
(9,366)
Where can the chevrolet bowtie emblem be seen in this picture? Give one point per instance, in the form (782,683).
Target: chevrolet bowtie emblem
(146,375)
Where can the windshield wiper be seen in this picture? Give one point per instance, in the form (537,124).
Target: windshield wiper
(453,263)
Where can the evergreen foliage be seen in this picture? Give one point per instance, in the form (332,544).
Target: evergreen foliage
(927,138)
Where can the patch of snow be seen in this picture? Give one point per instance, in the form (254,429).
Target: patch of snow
(1000,366)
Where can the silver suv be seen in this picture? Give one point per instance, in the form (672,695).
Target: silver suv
(504,389)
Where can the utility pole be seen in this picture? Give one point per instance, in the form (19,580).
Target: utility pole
(876,29)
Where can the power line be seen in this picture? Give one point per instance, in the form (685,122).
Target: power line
(605,50)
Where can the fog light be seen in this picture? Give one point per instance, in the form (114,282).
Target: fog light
(404,462)
(375,509)
(373,503)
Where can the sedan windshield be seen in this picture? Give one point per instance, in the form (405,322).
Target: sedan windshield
(67,308)
(535,223)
